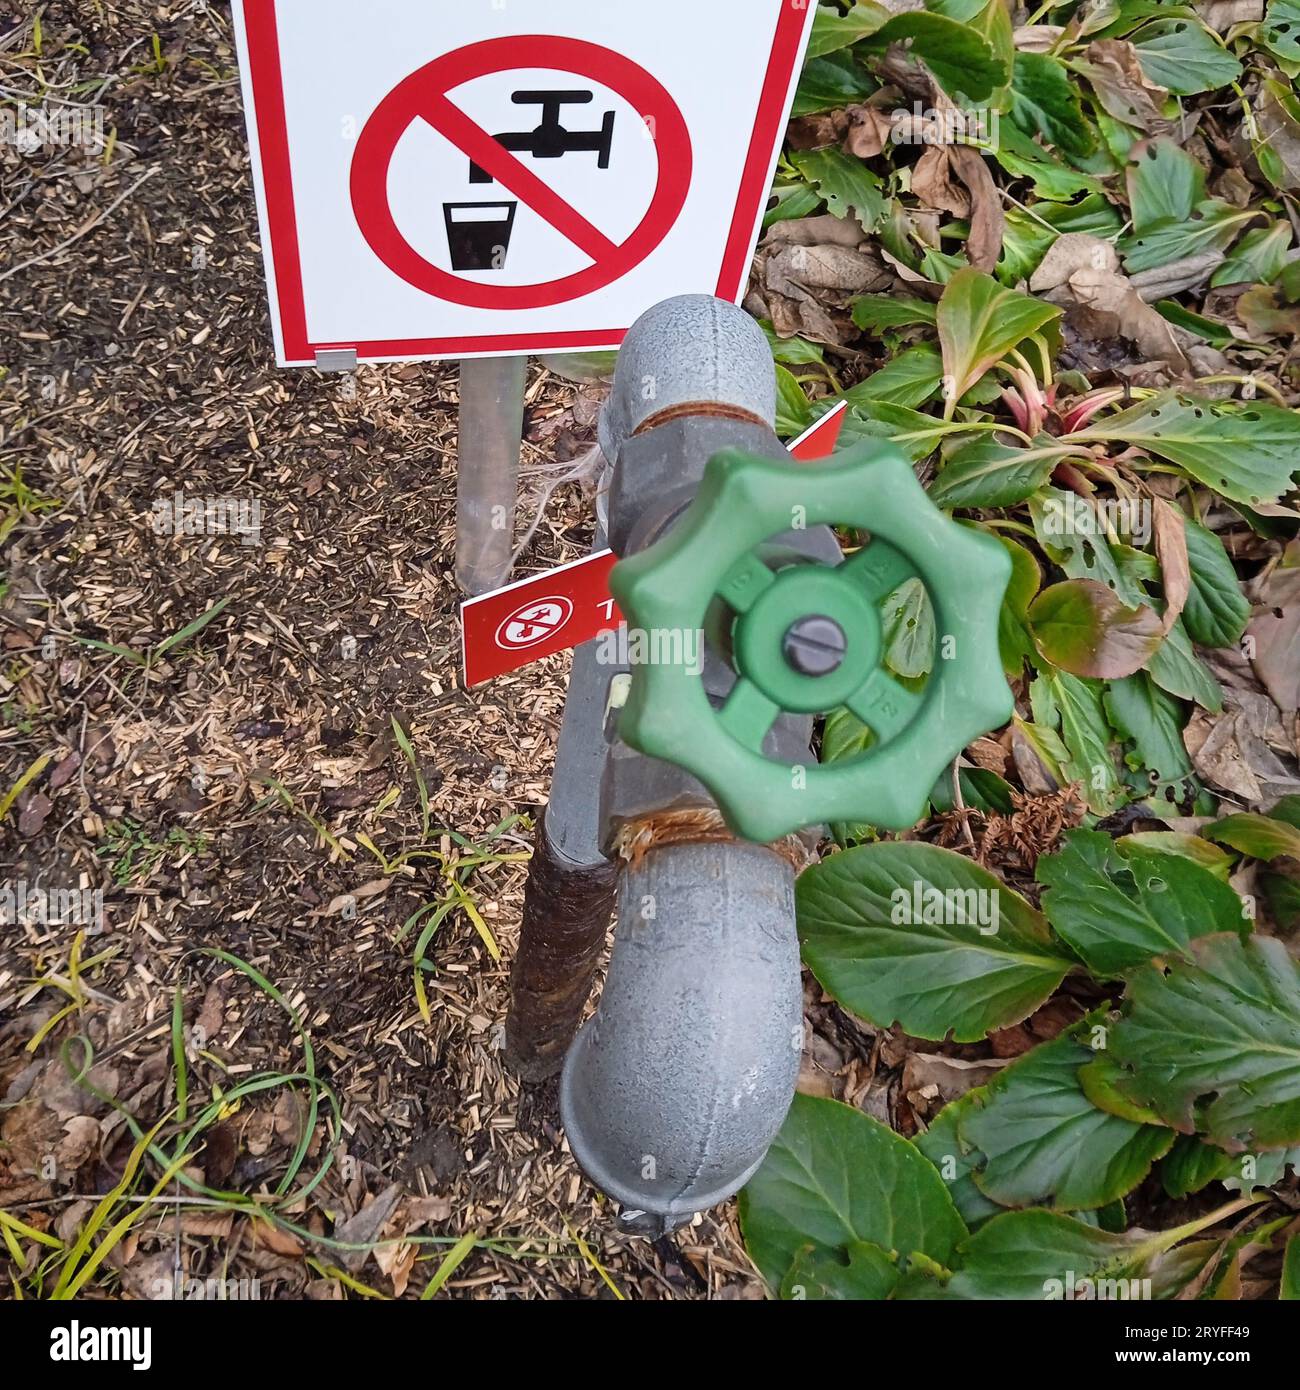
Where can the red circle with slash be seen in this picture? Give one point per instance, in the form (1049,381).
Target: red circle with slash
(423,96)
(534,622)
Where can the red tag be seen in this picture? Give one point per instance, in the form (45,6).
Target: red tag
(513,627)
(818,441)
(538,617)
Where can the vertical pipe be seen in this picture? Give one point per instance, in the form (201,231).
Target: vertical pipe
(567,907)
(487,480)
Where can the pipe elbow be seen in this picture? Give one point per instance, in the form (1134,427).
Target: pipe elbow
(675,1088)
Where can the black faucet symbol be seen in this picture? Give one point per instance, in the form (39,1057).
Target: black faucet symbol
(549,139)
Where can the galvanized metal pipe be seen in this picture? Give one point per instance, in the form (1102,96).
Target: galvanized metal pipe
(678,1084)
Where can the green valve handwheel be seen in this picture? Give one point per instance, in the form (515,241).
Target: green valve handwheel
(807,639)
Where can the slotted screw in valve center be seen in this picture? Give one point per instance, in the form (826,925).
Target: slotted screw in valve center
(815,645)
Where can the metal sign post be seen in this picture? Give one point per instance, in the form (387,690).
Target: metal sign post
(487,476)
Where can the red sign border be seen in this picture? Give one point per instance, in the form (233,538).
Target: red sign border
(264,77)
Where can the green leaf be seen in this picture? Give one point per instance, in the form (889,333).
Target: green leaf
(829,84)
(979,958)
(793,411)
(1075,706)
(1119,911)
(1259,257)
(1261,837)
(1043,1255)
(1290,1287)
(1051,178)
(835,1179)
(1219,862)
(1217,611)
(860,1272)
(908,630)
(1182,55)
(1280,32)
(1047,1144)
(1192,1165)
(963,62)
(910,378)
(833,31)
(795,352)
(980,321)
(1176,668)
(792,201)
(1247,452)
(1015,643)
(1164,184)
(875,312)
(846,736)
(1211,330)
(957,1162)
(1044,102)
(846,184)
(1080,626)
(987,473)
(916,434)
(981,790)
(1213,1045)
(1212,226)
(1098,1076)
(1153,723)
(1074,537)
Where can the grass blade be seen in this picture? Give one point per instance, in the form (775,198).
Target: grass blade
(452,1261)
(192,629)
(16,790)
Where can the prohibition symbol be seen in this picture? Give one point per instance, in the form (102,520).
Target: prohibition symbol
(423,97)
(534,622)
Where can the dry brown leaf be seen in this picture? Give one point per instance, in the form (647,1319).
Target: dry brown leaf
(932,1076)
(266,1236)
(817,131)
(1189,273)
(1221,15)
(1175,568)
(1281,134)
(1037,38)
(988,222)
(1107,306)
(934,184)
(1264,316)
(1072,252)
(80,1143)
(397,1262)
(1123,88)
(825,230)
(1275,633)
(211,1017)
(869,131)
(364,1228)
(208,1223)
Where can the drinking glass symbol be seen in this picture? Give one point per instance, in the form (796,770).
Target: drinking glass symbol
(478,234)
